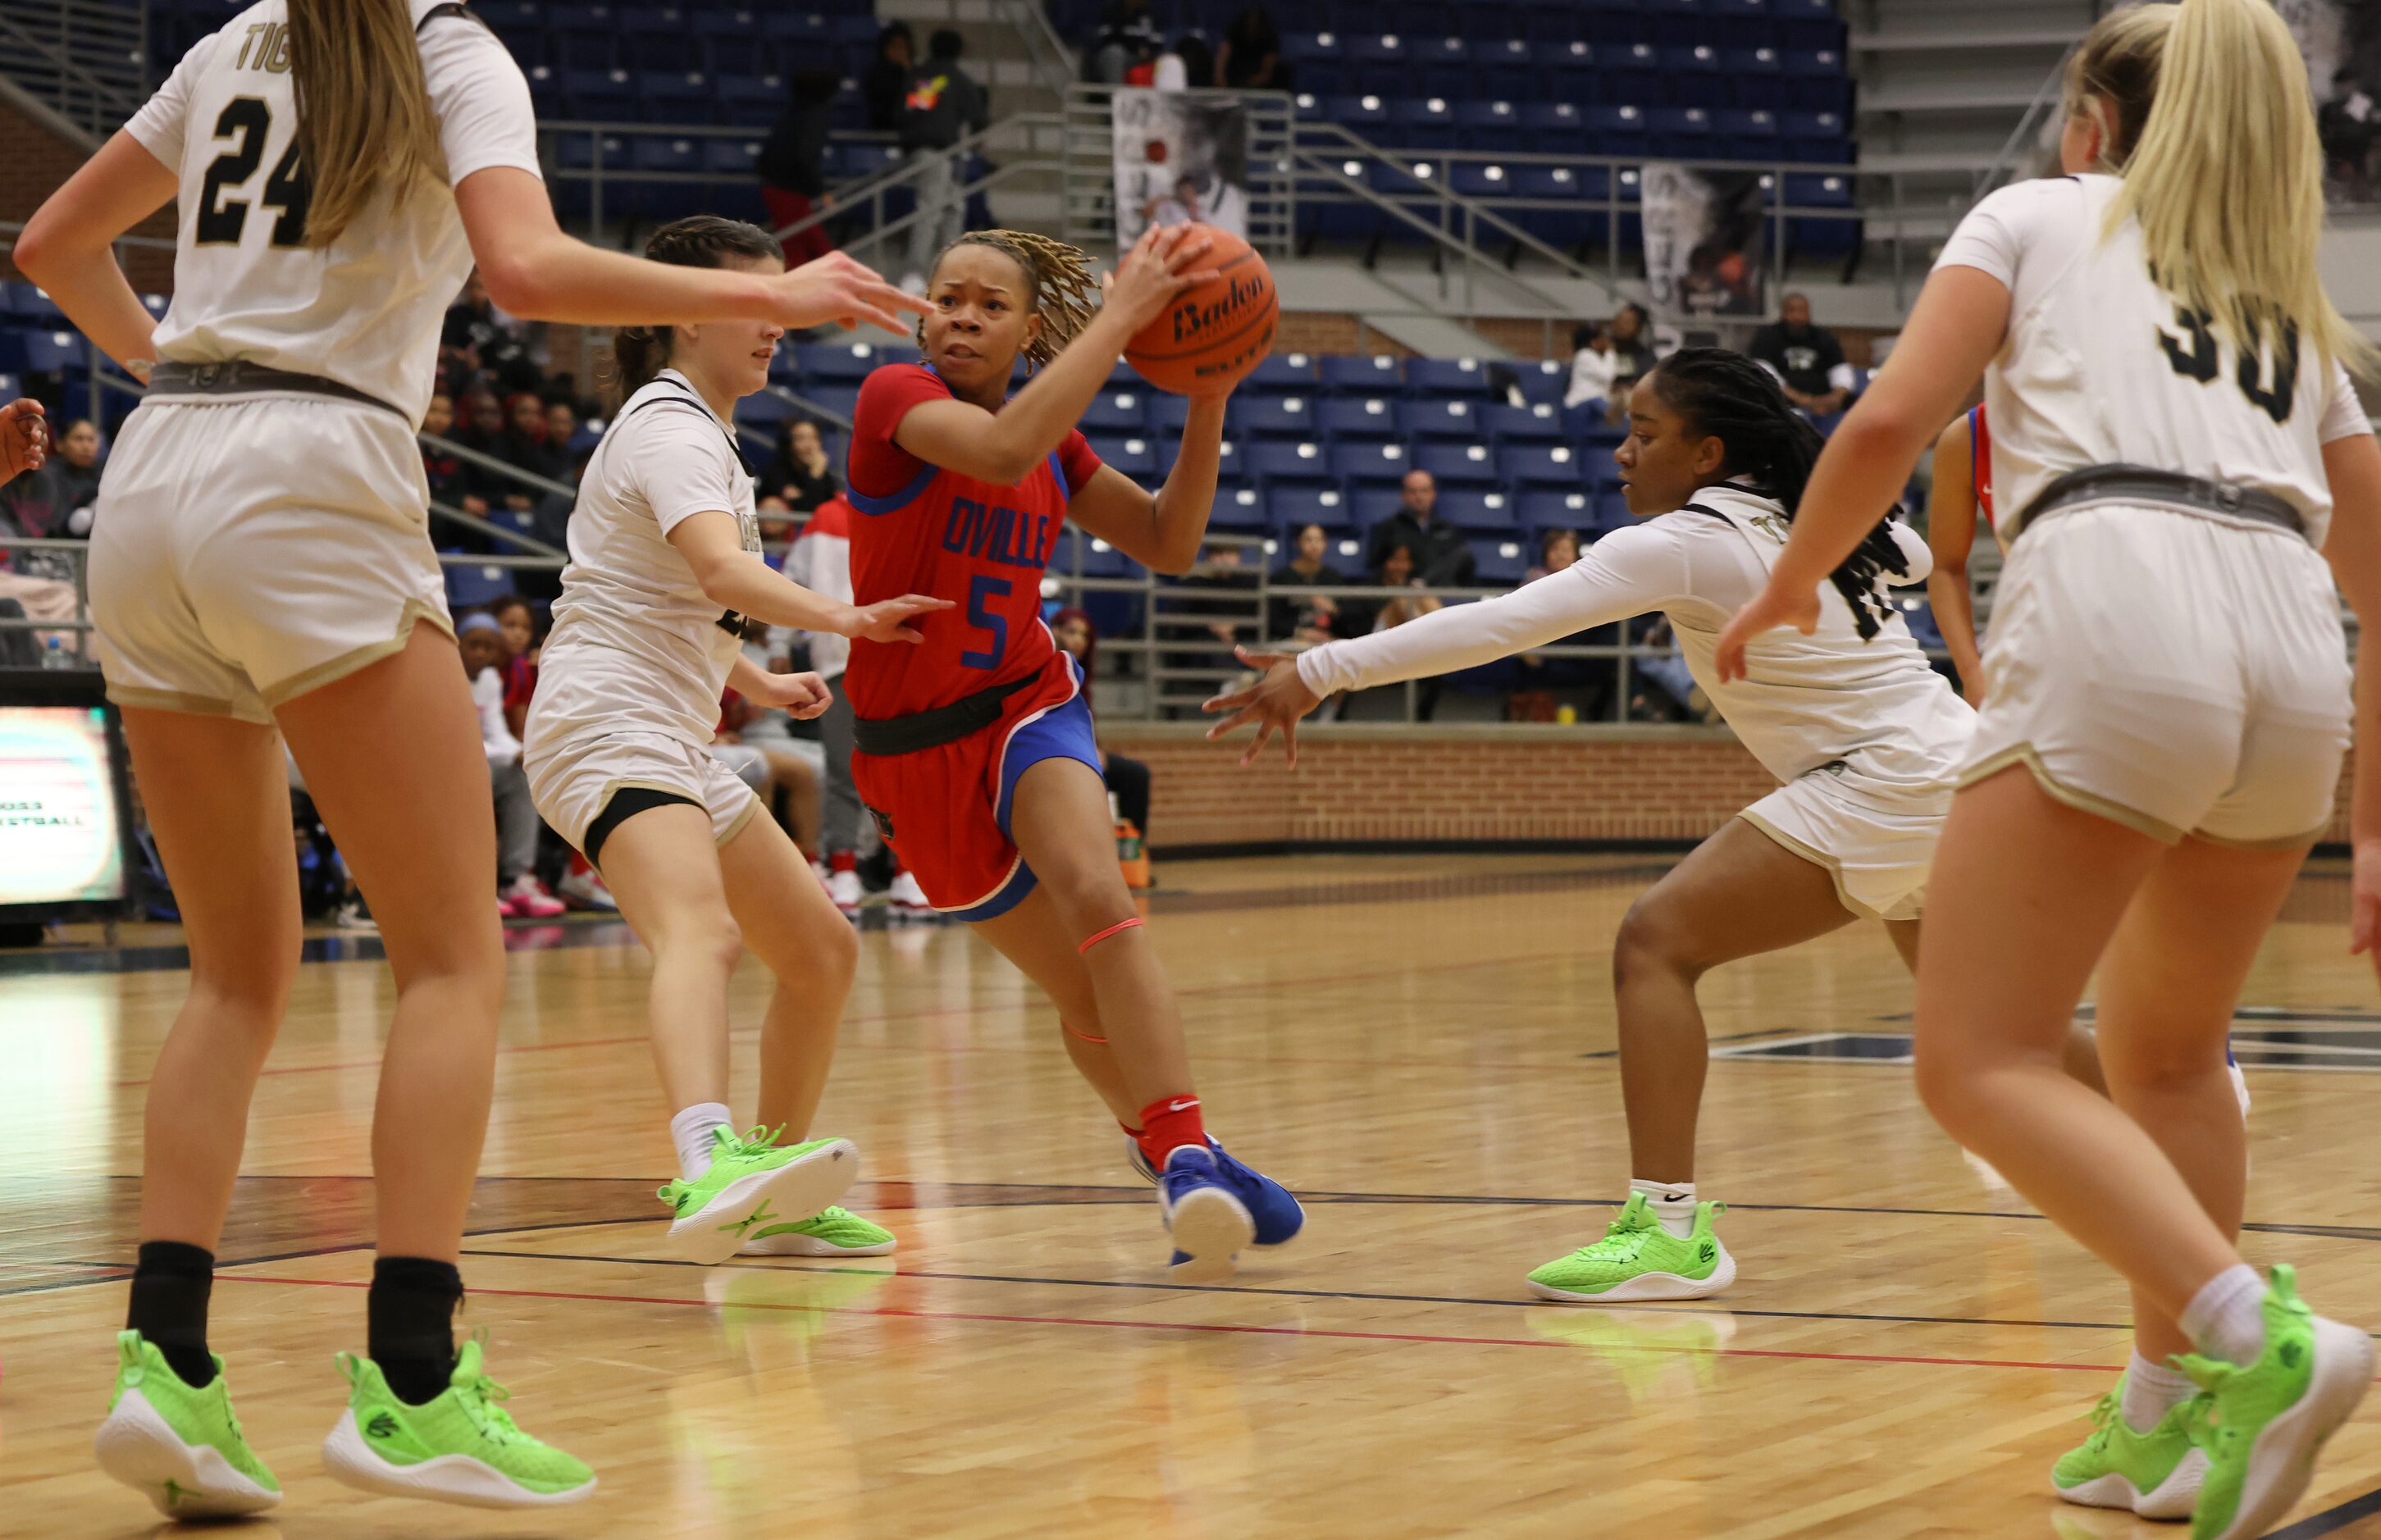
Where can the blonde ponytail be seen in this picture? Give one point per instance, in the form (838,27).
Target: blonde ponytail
(2204,112)
(364,122)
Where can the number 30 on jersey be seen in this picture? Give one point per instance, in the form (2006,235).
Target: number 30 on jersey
(2191,348)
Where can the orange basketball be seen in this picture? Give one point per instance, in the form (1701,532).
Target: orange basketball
(1211,337)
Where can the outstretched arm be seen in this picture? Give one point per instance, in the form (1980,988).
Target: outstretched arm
(1626,574)
(737,580)
(1161,530)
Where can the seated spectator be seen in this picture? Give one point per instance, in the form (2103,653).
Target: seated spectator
(561,425)
(793,182)
(1250,56)
(1129,41)
(519,893)
(449,480)
(1308,620)
(888,81)
(800,473)
(487,338)
(770,763)
(1397,572)
(1436,555)
(522,444)
(1128,778)
(1807,358)
(1672,695)
(56,501)
(1594,367)
(1559,550)
(1637,343)
(519,624)
(1197,64)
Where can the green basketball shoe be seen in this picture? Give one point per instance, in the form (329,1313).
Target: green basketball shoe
(754,1182)
(2156,1474)
(2262,1423)
(180,1448)
(835,1232)
(1638,1259)
(459,1447)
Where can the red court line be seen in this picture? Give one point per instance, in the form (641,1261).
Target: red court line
(1211,1326)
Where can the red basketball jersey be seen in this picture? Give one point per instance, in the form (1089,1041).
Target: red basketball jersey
(1980,469)
(925,530)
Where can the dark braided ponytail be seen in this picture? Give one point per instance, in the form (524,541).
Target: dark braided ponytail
(1725,396)
(1059,286)
(701,241)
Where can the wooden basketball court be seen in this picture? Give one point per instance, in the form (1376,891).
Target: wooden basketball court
(1419,1046)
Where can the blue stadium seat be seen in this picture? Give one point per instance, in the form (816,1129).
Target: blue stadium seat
(1814,137)
(1562,219)
(1318,61)
(1365,114)
(1504,69)
(1821,237)
(659,38)
(1115,411)
(1616,130)
(1272,416)
(1167,414)
(1740,23)
(1447,377)
(1530,424)
(1539,118)
(1690,76)
(750,101)
(1571,73)
(1487,183)
(1457,465)
(1755,76)
(1276,461)
(1815,83)
(838,361)
(1555,465)
(1369,463)
(1241,510)
(674,96)
(1680,133)
(731,158)
(726,38)
(1745,134)
(599,95)
(1352,373)
(581,37)
(1673,22)
(1132,454)
(1295,507)
(52,352)
(766,411)
(1489,124)
(1475,510)
(1635,73)
(1425,123)
(1357,419)
(1544,380)
(841,400)
(1498,561)
(468,587)
(1442,416)
(1541,511)
(1808,24)
(1282,374)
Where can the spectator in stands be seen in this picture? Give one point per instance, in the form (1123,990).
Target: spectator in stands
(519,893)
(1197,63)
(488,339)
(55,502)
(1181,208)
(561,425)
(1437,556)
(519,623)
(793,178)
(944,106)
(1129,39)
(1250,56)
(1308,620)
(450,482)
(1807,358)
(888,81)
(1667,692)
(522,446)
(1398,570)
(1558,551)
(1128,778)
(1637,343)
(1594,366)
(799,472)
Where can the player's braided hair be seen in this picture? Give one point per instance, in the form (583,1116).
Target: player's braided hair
(1059,286)
(700,240)
(1728,396)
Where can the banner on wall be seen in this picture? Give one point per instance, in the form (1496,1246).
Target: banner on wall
(1180,159)
(1704,242)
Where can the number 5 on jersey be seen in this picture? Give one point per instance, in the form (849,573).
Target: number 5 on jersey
(983,588)
(223,216)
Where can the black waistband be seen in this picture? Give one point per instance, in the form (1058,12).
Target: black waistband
(2139,483)
(239,377)
(932,730)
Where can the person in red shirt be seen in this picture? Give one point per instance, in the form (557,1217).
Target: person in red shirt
(974,748)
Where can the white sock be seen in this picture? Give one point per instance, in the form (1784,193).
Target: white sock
(2227,1318)
(692,1129)
(2152,1391)
(1673,1204)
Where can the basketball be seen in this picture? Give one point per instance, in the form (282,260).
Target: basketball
(1210,338)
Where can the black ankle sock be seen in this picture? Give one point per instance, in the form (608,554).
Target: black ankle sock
(170,1285)
(410,1316)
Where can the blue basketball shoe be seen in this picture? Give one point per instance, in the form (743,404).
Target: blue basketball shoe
(1207,1219)
(1276,1215)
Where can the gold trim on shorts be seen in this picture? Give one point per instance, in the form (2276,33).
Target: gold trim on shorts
(751,806)
(2080,801)
(2296,841)
(1816,857)
(139,699)
(416,611)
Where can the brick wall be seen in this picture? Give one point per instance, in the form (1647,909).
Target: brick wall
(36,164)
(1396,784)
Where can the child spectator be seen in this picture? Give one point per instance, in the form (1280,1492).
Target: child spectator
(519,624)
(799,472)
(519,895)
(1308,619)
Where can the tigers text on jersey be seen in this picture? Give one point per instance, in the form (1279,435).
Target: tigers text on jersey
(637,646)
(2102,367)
(366,312)
(1875,708)
(925,530)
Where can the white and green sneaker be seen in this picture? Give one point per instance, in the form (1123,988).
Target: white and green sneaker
(833,1232)
(180,1448)
(754,1183)
(2154,1475)
(1638,1259)
(459,1447)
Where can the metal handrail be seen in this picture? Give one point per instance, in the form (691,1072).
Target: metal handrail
(2009,160)
(1048,52)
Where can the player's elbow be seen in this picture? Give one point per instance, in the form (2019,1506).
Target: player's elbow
(513,285)
(38,249)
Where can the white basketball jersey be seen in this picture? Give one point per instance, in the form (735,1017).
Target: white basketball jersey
(367,310)
(2103,367)
(637,645)
(1873,712)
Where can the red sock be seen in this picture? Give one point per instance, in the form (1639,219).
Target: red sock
(1168,1124)
(1129,1132)
(842,861)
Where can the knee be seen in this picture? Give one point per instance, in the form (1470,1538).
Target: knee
(704,937)
(1948,1081)
(1648,945)
(1091,898)
(2159,1066)
(251,997)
